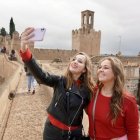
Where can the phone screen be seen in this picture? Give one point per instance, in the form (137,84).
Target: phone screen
(38,34)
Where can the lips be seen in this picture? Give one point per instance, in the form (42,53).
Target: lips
(73,66)
(101,75)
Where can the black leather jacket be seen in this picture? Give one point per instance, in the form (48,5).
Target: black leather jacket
(66,105)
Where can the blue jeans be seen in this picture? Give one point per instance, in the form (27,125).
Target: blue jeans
(31,82)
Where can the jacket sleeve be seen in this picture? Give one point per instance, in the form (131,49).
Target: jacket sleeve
(25,68)
(41,76)
(132,119)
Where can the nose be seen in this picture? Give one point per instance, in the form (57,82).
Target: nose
(75,61)
(101,69)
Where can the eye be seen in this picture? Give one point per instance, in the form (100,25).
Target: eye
(99,67)
(105,68)
(80,61)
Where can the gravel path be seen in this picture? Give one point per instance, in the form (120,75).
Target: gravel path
(28,113)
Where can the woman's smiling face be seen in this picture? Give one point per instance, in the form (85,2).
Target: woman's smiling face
(77,65)
(105,73)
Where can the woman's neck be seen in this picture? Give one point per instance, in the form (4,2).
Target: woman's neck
(107,90)
(75,77)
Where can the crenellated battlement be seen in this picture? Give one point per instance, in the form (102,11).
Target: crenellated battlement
(86,38)
(84,31)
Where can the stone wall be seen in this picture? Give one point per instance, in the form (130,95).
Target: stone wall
(6,66)
(51,54)
(87,41)
(126,60)
(12,72)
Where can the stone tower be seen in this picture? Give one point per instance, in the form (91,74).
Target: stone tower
(86,39)
(15,43)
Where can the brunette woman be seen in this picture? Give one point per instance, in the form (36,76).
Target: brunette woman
(72,92)
(113,112)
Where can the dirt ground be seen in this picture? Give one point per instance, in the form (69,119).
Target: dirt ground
(1,79)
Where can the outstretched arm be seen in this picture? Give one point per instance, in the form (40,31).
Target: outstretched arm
(41,76)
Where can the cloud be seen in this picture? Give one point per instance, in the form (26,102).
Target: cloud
(113,18)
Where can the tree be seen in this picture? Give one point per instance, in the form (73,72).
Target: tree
(3,32)
(12,27)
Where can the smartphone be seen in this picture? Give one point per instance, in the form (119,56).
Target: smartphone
(38,34)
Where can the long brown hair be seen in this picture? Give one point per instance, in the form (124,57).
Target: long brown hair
(118,89)
(87,77)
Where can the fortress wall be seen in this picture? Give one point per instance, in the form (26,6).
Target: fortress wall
(87,40)
(126,60)
(6,66)
(91,43)
(9,85)
(130,60)
(51,54)
(132,78)
(132,86)
(131,72)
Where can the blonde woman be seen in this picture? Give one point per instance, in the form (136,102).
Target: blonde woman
(71,95)
(116,112)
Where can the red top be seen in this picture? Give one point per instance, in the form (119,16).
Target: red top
(127,124)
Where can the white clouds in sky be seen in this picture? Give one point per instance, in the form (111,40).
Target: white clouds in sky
(116,20)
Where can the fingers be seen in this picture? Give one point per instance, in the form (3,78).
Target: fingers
(25,38)
(27,34)
(28,31)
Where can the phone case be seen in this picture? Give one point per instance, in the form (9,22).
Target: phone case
(38,34)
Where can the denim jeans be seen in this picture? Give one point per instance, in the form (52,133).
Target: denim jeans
(31,82)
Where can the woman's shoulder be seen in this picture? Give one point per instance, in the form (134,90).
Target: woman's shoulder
(130,106)
(63,78)
(129,98)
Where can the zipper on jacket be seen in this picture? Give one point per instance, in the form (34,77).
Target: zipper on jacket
(68,104)
(70,123)
(68,96)
(59,97)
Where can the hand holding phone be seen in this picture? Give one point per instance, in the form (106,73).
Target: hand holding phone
(38,34)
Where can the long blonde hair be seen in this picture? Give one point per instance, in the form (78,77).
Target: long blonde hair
(118,89)
(87,77)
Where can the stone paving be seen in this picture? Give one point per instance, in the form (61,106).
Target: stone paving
(28,113)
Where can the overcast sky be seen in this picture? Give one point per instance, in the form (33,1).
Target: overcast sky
(119,21)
